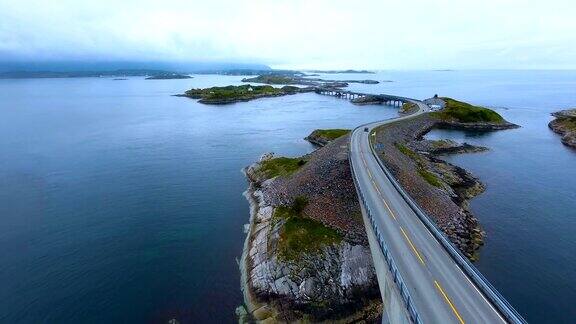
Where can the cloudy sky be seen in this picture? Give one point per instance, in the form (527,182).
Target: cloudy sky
(374,34)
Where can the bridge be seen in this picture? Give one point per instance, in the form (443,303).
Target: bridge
(423,277)
(388,100)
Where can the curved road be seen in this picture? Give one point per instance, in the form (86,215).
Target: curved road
(440,291)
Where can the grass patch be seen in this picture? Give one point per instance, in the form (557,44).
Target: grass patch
(430,177)
(466,113)
(329,134)
(271,79)
(408,152)
(408,106)
(300,234)
(233,92)
(281,166)
(567,123)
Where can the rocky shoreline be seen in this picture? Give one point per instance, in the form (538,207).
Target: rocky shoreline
(321,137)
(565,125)
(333,282)
(440,188)
(306,81)
(233,94)
(306,256)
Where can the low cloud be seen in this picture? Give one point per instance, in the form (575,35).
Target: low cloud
(412,34)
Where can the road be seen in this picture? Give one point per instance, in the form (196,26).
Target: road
(440,291)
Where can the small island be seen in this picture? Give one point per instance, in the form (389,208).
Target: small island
(461,115)
(168,76)
(565,125)
(343,71)
(231,94)
(297,79)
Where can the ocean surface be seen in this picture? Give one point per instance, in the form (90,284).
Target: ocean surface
(120,203)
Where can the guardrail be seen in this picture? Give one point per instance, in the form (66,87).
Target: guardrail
(497,300)
(398,280)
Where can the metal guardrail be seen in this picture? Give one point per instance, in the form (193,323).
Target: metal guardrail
(398,280)
(497,300)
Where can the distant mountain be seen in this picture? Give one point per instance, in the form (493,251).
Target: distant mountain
(76,69)
(79,74)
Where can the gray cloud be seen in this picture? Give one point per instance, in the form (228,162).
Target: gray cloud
(297,33)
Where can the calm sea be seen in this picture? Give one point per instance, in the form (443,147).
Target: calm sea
(121,203)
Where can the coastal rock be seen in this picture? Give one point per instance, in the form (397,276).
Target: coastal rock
(321,137)
(440,188)
(446,146)
(336,282)
(565,125)
(477,126)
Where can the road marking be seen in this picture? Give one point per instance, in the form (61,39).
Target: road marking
(449,302)
(482,295)
(412,246)
(376,187)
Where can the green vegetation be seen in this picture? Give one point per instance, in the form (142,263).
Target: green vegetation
(567,123)
(408,152)
(430,177)
(301,234)
(407,107)
(329,134)
(466,113)
(168,76)
(272,79)
(281,166)
(237,93)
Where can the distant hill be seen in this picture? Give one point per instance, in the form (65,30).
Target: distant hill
(78,69)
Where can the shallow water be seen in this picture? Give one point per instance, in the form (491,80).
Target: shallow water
(121,203)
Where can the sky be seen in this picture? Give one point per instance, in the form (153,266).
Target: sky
(305,34)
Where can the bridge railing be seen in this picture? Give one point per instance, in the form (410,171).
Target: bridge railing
(396,276)
(505,309)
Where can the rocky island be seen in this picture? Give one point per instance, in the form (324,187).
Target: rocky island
(299,80)
(306,256)
(231,94)
(343,71)
(565,125)
(168,76)
(440,188)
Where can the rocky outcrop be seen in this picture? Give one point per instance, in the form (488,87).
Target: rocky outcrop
(233,94)
(291,79)
(565,125)
(335,282)
(445,146)
(477,126)
(321,137)
(440,188)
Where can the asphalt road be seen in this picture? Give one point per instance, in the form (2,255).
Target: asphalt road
(440,291)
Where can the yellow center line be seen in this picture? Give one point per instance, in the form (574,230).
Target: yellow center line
(449,302)
(412,246)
